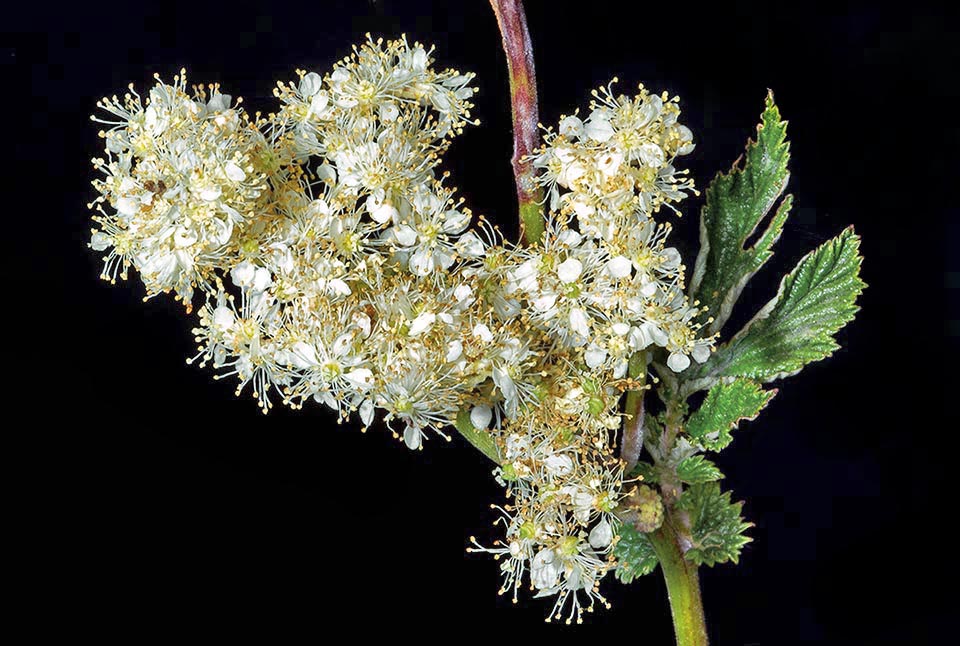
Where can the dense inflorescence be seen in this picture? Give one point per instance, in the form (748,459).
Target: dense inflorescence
(335,263)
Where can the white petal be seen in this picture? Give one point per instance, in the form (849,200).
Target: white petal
(462,293)
(422,323)
(405,235)
(545,302)
(482,332)
(422,262)
(360,378)
(571,127)
(455,221)
(609,163)
(412,438)
(670,258)
(578,322)
(338,287)
(620,329)
(100,241)
(598,129)
(310,84)
(389,112)
(651,155)
(582,209)
(210,194)
(601,535)
(558,465)
(318,104)
(383,213)
(507,388)
(366,412)
(570,238)
(234,172)
(454,351)
(128,206)
(243,274)
(184,237)
(569,270)
(619,267)
(223,318)
(701,352)
(261,279)
(480,417)
(649,288)
(470,245)
(594,356)
(677,361)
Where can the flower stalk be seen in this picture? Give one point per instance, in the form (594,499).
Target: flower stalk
(512,21)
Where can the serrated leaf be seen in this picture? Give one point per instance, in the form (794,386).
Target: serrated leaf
(481,440)
(736,204)
(697,469)
(725,406)
(717,529)
(634,554)
(813,302)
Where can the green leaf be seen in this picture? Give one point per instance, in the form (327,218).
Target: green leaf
(634,554)
(725,406)
(814,301)
(481,440)
(736,203)
(717,529)
(646,471)
(697,469)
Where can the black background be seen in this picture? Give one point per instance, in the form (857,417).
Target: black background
(151,498)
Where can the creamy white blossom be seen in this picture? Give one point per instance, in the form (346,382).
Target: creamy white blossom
(336,266)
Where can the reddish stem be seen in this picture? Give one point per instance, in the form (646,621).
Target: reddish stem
(523,99)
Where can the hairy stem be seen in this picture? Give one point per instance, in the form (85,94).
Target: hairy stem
(523,100)
(683,586)
(631,441)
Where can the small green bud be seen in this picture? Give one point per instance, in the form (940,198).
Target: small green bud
(595,406)
(568,546)
(604,503)
(528,530)
(541,390)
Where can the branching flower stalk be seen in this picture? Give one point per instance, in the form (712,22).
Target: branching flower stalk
(330,261)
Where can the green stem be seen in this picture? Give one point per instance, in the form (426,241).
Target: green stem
(683,587)
(631,441)
(523,101)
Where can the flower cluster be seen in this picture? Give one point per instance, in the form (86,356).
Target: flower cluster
(613,283)
(336,265)
(558,466)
